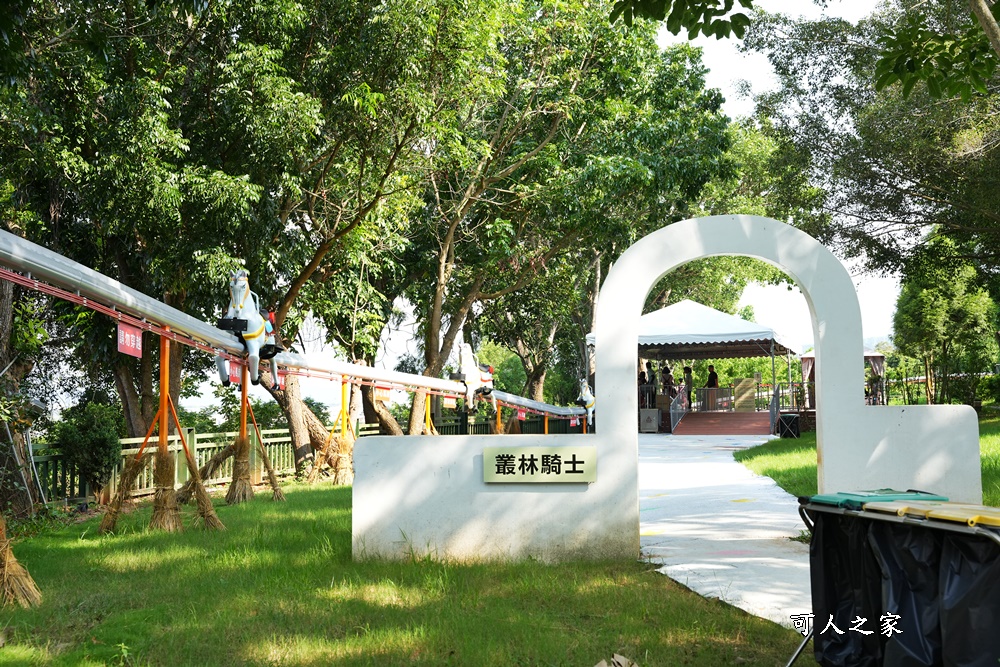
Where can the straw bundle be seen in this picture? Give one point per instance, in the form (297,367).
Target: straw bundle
(205,508)
(16,585)
(166,516)
(240,490)
(207,471)
(342,460)
(125,484)
(276,492)
(318,464)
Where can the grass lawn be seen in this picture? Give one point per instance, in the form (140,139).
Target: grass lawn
(792,463)
(279,588)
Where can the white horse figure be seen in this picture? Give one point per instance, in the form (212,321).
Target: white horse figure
(243,317)
(587,400)
(478,377)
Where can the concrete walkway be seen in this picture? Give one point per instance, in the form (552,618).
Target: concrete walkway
(719,529)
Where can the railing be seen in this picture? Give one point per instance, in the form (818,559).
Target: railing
(796,396)
(713,399)
(679,407)
(61,481)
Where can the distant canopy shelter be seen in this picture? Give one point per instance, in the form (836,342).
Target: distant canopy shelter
(690,330)
(875,394)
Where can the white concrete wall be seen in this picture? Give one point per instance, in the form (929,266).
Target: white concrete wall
(425,495)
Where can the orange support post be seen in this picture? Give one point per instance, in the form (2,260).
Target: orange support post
(164,413)
(584,425)
(244,379)
(428,422)
(344,406)
(546,422)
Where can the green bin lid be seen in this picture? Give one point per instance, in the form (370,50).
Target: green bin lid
(857,499)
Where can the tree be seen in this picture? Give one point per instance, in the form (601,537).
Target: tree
(192,146)
(542,170)
(710,17)
(954,52)
(941,316)
(88,436)
(888,167)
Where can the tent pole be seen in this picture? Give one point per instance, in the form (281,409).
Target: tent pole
(774,374)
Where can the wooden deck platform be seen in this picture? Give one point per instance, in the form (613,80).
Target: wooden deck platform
(724,423)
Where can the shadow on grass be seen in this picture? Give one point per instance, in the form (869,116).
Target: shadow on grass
(279,587)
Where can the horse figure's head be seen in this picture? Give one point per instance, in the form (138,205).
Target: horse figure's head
(586,398)
(239,289)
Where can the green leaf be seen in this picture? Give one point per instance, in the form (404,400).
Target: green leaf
(934,87)
(618,10)
(908,84)
(886,80)
(978,83)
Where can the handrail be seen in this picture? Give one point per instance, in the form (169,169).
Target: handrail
(679,407)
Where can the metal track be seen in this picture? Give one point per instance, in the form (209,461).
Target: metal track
(49,272)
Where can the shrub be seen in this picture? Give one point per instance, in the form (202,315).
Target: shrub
(88,438)
(989,388)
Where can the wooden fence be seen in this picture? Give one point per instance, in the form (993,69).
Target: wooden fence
(61,482)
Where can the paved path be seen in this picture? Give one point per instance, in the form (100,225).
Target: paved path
(719,529)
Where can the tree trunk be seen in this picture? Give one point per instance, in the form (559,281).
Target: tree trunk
(536,385)
(149,395)
(131,407)
(944,395)
(981,8)
(590,363)
(418,412)
(929,380)
(140,401)
(177,352)
(371,416)
(356,412)
(290,400)
(386,422)
(308,432)
(15,458)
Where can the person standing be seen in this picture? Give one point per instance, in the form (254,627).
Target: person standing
(688,382)
(712,395)
(668,382)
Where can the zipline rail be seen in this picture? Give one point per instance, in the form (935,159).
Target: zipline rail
(38,268)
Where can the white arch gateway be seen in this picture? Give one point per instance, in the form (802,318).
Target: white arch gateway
(434,495)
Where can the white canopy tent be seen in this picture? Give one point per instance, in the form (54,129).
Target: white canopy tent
(876,391)
(690,330)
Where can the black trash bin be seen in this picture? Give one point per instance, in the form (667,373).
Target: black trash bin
(788,426)
(935,573)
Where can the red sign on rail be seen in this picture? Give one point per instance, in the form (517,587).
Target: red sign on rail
(130,339)
(521,414)
(235,372)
